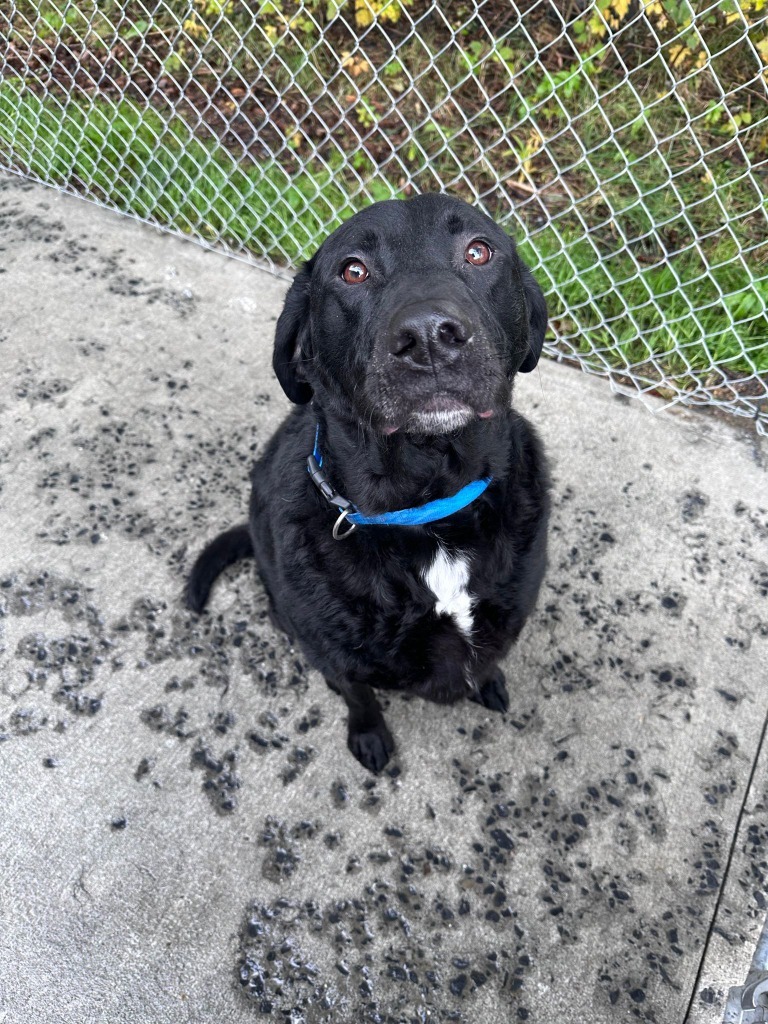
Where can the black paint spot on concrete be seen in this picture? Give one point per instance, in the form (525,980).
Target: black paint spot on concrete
(144,768)
(673,602)
(221,781)
(41,390)
(61,668)
(160,718)
(298,956)
(282,844)
(693,504)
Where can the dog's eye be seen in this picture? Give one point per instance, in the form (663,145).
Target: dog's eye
(477,253)
(354,271)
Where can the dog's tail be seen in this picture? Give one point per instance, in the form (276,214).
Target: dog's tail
(227,548)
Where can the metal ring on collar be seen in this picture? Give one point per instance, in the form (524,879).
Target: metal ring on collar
(337,524)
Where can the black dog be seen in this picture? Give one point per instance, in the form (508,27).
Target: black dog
(404,332)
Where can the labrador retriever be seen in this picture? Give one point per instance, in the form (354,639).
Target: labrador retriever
(398,516)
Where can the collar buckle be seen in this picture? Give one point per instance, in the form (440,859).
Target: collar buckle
(321,482)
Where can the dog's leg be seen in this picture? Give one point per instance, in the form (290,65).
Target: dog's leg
(368,737)
(492,692)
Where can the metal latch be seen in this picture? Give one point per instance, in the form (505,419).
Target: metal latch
(748,1004)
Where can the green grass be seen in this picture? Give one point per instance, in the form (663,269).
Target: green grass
(132,158)
(671,313)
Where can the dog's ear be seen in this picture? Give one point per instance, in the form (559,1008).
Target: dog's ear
(537,319)
(291,335)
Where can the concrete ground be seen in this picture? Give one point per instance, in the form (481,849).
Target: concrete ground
(183,834)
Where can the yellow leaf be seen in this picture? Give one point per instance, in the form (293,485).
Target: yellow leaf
(364,14)
(762,49)
(391,12)
(678,55)
(366,11)
(356,65)
(194,28)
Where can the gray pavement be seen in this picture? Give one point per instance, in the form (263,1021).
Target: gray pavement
(183,834)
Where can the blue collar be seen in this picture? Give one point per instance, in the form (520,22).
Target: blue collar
(429,513)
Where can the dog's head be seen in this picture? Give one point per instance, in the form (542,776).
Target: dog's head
(413,315)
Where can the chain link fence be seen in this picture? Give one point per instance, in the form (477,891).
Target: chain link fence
(624,144)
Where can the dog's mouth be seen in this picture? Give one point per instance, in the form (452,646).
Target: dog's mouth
(439,414)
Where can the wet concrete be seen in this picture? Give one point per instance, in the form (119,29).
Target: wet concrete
(184,835)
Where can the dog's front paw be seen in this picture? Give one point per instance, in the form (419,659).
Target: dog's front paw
(372,747)
(493,693)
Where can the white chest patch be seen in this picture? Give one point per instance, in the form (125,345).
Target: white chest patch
(448,577)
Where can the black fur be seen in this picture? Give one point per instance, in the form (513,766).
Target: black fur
(410,375)
(227,548)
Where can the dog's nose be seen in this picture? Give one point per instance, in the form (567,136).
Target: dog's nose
(424,335)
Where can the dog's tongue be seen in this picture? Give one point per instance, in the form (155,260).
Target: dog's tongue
(390,430)
(486,415)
